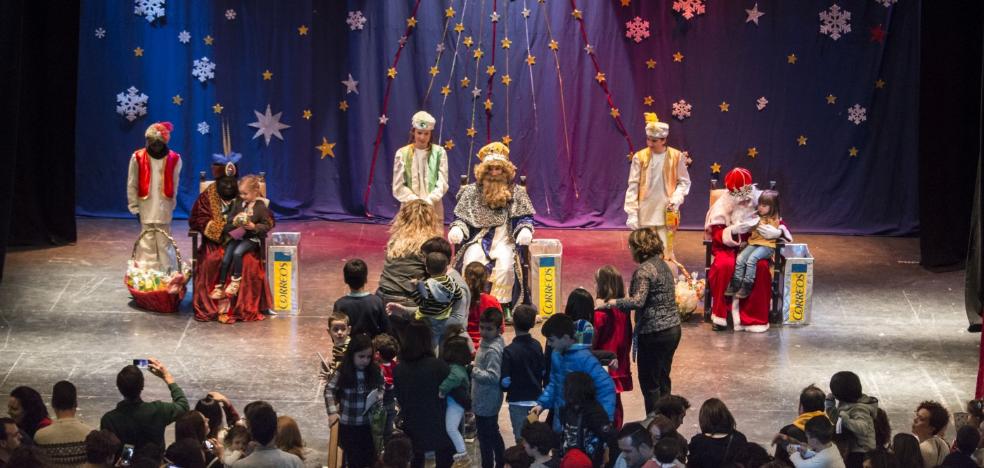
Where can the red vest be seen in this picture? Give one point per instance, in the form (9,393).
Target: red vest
(143,173)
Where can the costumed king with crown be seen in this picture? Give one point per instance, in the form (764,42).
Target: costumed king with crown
(492,216)
(420,169)
(151,187)
(658,183)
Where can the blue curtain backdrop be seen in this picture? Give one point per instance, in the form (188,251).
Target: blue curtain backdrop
(726,58)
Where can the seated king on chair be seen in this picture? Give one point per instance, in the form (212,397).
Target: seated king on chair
(492,216)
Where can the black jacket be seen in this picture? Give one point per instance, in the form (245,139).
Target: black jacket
(416,386)
(523,363)
(587,427)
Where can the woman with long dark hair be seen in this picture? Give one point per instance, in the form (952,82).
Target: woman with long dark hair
(194,425)
(26,407)
(215,406)
(613,332)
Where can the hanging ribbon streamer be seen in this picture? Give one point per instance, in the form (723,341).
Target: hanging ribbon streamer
(454,61)
(491,72)
(526,25)
(476,92)
(411,22)
(554,46)
(440,51)
(506,79)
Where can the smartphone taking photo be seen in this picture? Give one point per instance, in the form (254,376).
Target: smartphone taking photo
(141,363)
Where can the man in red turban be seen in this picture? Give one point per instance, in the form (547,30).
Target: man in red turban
(151,188)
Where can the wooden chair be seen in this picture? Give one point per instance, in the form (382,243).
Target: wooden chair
(778,263)
(203,184)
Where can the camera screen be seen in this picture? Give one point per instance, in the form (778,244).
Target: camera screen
(141,363)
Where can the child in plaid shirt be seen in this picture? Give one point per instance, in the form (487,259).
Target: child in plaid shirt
(345,400)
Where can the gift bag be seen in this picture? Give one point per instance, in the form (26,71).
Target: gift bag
(689,292)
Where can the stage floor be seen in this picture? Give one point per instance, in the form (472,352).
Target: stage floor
(65,315)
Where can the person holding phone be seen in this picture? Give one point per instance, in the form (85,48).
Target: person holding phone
(138,422)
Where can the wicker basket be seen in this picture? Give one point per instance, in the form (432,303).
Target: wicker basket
(164,300)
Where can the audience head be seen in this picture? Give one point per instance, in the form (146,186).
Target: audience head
(579,388)
(883,429)
(819,432)
(666,450)
(559,331)
(288,436)
(906,449)
(386,346)
(609,283)
(751,455)
(338,327)
(416,341)
(880,458)
(436,263)
(476,276)
(490,323)
(186,453)
(398,452)
(358,357)
(715,418)
(211,409)
(580,305)
(672,406)
(794,435)
(811,399)
(262,420)
(644,243)
(26,456)
(968,438)
(356,273)
(931,419)
(538,439)
(660,426)
(846,386)
(27,408)
(191,425)
(413,225)
(457,350)
(130,382)
(236,438)
(635,444)
(101,447)
(252,406)
(524,317)
(975,408)
(64,396)
(575,458)
(10,438)
(436,244)
(516,457)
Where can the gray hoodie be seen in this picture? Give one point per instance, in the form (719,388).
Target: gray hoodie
(858,419)
(486,389)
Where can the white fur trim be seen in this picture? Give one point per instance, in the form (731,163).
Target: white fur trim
(496,157)
(756,328)
(719,321)
(735,314)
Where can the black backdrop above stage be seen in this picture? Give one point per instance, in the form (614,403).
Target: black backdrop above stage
(39,46)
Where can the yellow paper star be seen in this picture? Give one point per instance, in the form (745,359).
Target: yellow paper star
(471,132)
(327,149)
(831,99)
(752,152)
(553,45)
(468,41)
(724,106)
(267,75)
(208,40)
(488,104)
(490,70)
(306,114)
(434,71)
(648,100)
(853,152)
(577,14)
(506,43)
(801,140)
(650,64)
(626,3)
(459,27)
(880,83)
(465,82)
(614,112)
(343,106)
(478,54)
(715,168)
(445,90)
(302,30)
(391,72)
(217,108)
(411,22)
(506,80)
(449,13)
(177,99)
(791,58)
(678,57)
(506,140)
(530,60)
(449,144)
(138,52)
(600,77)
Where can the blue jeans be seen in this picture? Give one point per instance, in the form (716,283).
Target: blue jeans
(747,260)
(452,424)
(233,258)
(517,416)
(437,331)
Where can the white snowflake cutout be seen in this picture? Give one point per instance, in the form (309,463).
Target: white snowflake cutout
(637,29)
(184,37)
(689,8)
(681,109)
(230,14)
(761,102)
(857,114)
(835,22)
(149,9)
(203,69)
(203,128)
(131,104)
(100,33)
(886,3)
(356,20)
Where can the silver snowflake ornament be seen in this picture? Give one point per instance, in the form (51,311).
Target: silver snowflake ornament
(835,22)
(203,69)
(203,128)
(268,125)
(100,33)
(131,104)
(149,9)
(637,29)
(689,8)
(184,37)
(356,20)
(761,102)
(857,114)
(681,109)
(230,14)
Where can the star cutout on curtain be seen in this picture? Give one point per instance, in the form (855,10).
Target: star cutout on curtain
(494,17)
(801,140)
(577,14)
(626,3)
(831,99)
(302,30)
(754,14)
(476,92)
(651,64)
(648,100)
(351,86)
(402,41)
(449,13)
(526,12)
(752,152)
(589,49)
(208,40)
(506,80)
(488,104)
(478,54)
(440,48)
(434,71)
(853,152)
(490,70)
(471,132)
(383,119)
(678,57)
(600,77)
(791,58)
(877,34)
(724,106)
(327,149)
(268,125)
(445,90)
(553,45)
(411,22)
(465,82)
(506,43)
(306,115)
(715,168)
(391,72)
(138,52)
(459,27)
(468,41)
(614,112)
(217,108)
(880,83)
(343,106)
(267,75)
(449,144)
(531,60)
(177,99)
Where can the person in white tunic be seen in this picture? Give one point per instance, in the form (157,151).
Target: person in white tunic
(151,188)
(658,182)
(420,169)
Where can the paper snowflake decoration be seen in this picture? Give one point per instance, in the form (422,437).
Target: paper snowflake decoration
(857,114)
(149,9)
(835,22)
(681,109)
(230,14)
(131,104)
(100,33)
(184,37)
(689,8)
(887,3)
(203,69)
(203,128)
(761,102)
(356,20)
(637,29)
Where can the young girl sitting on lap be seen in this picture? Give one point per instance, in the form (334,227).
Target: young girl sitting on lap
(248,223)
(758,247)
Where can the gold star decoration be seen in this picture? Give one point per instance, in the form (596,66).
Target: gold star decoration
(391,72)
(614,112)
(306,115)
(553,45)
(488,104)
(648,100)
(831,99)
(449,144)
(459,27)
(626,3)
(801,140)
(343,106)
(506,80)
(449,13)
(678,57)
(465,82)
(217,108)
(506,43)
(724,106)
(302,30)
(468,41)
(177,99)
(327,149)
(506,140)
(490,70)
(478,54)
(651,64)
(853,152)
(530,60)
(880,83)
(445,90)
(208,40)
(577,14)
(752,152)
(138,52)
(715,168)
(267,75)
(471,132)
(411,22)
(791,58)
(600,77)
(434,71)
